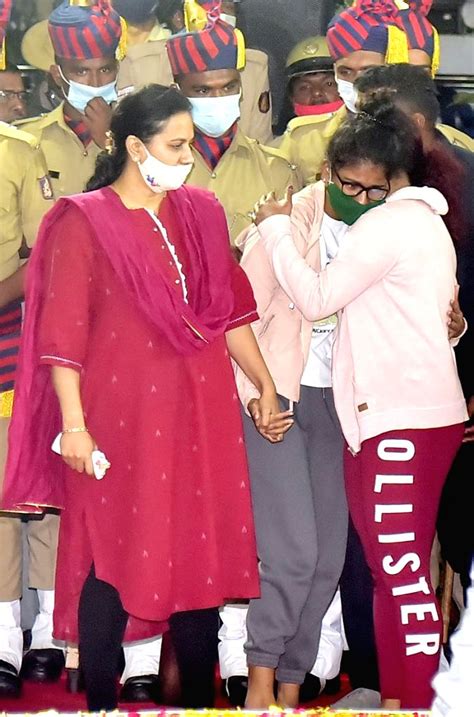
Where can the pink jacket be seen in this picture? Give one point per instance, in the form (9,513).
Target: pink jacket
(283,333)
(392,282)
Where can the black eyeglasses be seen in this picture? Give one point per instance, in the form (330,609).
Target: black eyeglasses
(9,95)
(352,189)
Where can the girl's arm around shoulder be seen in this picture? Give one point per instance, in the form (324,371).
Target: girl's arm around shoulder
(371,250)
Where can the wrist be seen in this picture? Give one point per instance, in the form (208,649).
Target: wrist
(73,421)
(267,387)
(75,429)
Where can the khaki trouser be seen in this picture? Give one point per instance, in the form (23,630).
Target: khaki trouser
(42,535)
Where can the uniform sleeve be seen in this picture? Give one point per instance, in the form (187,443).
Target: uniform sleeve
(245,307)
(69,281)
(23,187)
(371,251)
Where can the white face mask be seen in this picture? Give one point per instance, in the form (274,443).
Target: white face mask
(161,177)
(229,19)
(79,95)
(214,116)
(348,94)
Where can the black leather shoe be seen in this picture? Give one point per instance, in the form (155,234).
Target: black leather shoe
(236,689)
(42,665)
(311,688)
(143,688)
(333,686)
(10,682)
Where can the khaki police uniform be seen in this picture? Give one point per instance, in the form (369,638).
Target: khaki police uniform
(146,62)
(256,105)
(70,164)
(456,137)
(25,196)
(305,142)
(245,172)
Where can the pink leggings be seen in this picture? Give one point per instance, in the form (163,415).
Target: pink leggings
(393,489)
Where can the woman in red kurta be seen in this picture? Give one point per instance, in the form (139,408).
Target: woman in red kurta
(137,305)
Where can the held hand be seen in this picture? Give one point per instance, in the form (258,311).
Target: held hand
(469,432)
(269,421)
(98,115)
(76,451)
(455,320)
(268,206)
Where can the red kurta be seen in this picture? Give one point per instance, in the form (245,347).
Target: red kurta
(170,526)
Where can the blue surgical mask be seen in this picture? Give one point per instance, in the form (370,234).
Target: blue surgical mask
(79,95)
(214,116)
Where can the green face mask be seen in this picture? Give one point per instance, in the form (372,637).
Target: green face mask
(348,210)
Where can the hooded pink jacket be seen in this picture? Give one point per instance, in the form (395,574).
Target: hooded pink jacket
(283,333)
(392,283)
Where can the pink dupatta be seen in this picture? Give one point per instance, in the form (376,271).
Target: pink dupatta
(32,480)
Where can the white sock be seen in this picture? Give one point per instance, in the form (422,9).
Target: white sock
(142,658)
(11,634)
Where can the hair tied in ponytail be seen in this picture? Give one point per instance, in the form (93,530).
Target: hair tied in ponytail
(109,142)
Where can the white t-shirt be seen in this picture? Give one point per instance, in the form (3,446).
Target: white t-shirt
(317,371)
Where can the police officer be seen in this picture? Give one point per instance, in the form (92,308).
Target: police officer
(256,105)
(237,169)
(22,173)
(312,101)
(12,94)
(145,60)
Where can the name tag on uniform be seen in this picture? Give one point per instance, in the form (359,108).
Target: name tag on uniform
(46,188)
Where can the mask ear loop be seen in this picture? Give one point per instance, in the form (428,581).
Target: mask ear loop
(65,80)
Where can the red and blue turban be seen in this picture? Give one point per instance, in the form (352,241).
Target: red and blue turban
(420,32)
(82,30)
(218,46)
(369,25)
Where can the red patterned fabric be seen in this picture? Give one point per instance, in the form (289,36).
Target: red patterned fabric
(215,48)
(418,29)
(85,32)
(361,27)
(170,526)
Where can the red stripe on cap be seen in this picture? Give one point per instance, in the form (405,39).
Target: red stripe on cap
(420,35)
(355,24)
(59,41)
(226,34)
(88,36)
(209,44)
(339,50)
(199,64)
(105,32)
(183,66)
(354,42)
(78,51)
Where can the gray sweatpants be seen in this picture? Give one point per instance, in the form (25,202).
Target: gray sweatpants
(301,523)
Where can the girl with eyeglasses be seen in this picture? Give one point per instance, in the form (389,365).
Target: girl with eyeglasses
(371,322)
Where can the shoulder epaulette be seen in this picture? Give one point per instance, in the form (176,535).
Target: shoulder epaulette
(12,132)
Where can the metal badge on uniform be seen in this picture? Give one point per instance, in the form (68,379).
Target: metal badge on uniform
(46,188)
(264,102)
(363,407)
